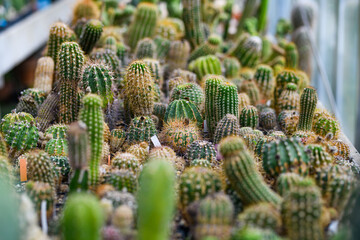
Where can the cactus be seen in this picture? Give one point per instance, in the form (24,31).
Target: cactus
(155,214)
(178,54)
(201,149)
(282,79)
(86,207)
(143,24)
(160,110)
(110,43)
(44,73)
(291,56)
(117,139)
(122,52)
(247,50)
(249,117)
(90,34)
(57,131)
(288,121)
(325,126)
(162,47)
(13,117)
(3,146)
(123,180)
(228,126)
(47,112)
(287,155)
(232,67)
(286,182)
(302,39)
(239,167)
(289,99)
(205,65)
(260,143)
(163,152)
(251,140)
(319,157)
(343,150)
(141,129)
(262,215)
(264,77)
(254,234)
(139,95)
(140,151)
(187,76)
(62,167)
(210,47)
(182,109)
(155,69)
(108,58)
(244,101)
(211,92)
(283,27)
(190,92)
(267,119)
(200,163)
(250,88)
(192,20)
(38,192)
(196,183)
(99,79)
(301,211)
(40,168)
(145,48)
(308,101)
(57,147)
(126,161)
(30,101)
(226,101)
(91,114)
(179,134)
(214,217)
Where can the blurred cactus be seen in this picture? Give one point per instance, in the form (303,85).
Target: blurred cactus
(201,149)
(249,87)
(145,48)
(289,99)
(44,74)
(40,168)
(247,50)
(90,34)
(291,56)
(47,112)
(267,119)
(210,47)
(123,180)
(205,65)
(211,90)
(232,67)
(38,192)
(249,117)
(85,9)
(286,182)
(327,127)
(141,129)
(190,92)
(308,101)
(228,126)
(194,31)
(282,79)
(264,77)
(178,54)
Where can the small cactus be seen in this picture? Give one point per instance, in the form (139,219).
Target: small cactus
(211,89)
(47,112)
(291,56)
(308,101)
(44,74)
(190,92)
(228,126)
(232,67)
(123,180)
(40,168)
(264,78)
(145,48)
(267,119)
(90,34)
(38,192)
(247,50)
(286,182)
(205,65)
(282,79)
(249,87)
(182,109)
(141,129)
(289,99)
(249,117)
(178,54)
(226,101)
(244,101)
(327,127)
(140,150)
(201,149)
(210,47)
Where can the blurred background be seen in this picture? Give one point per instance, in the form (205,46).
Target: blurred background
(24,26)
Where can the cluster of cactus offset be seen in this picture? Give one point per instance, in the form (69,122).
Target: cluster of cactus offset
(151,124)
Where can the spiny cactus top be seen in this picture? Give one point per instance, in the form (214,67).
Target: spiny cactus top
(59,33)
(71,61)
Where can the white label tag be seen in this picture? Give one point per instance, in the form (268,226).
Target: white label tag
(205,127)
(43,217)
(155,141)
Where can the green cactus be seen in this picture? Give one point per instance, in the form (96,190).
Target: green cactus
(57,131)
(143,24)
(211,92)
(178,54)
(141,129)
(228,126)
(267,119)
(264,77)
(139,95)
(126,161)
(57,147)
(86,207)
(110,43)
(267,50)
(117,139)
(327,127)
(155,214)
(196,183)
(283,27)
(301,211)
(40,168)
(254,234)
(249,87)
(200,163)
(320,158)
(343,149)
(122,52)
(210,47)
(182,109)
(249,117)
(13,117)
(289,99)
(99,79)
(163,152)
(261,215)
(140,150)
(62,167)
(90,34)
(308,101)
(190,92)
(286,155)
(30,101)
(38,192)
(239,167)
(261,143)
(123,180)
(91,114)
(247,50)
(244,101)
(291,56)
(160,110)
(192,20)
(47,112)
(201,149)
(155,69)
(108,58)
(226,101)
(145,48)
(205,65)
(282,79)
(214,217)
(232,67)
(286,182)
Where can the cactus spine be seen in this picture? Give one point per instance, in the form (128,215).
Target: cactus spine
(308,101)
(91,114)
(90,35)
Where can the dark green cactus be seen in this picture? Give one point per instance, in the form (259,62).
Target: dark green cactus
(123,180)
(40,168)
(182,109)
(108,58)
(286,182)
(283,27)
(122,52)
(210,47)
(62,167)
(205,65)
(211,90)
(232,67)
(291,56)
(99,79)
(91,114)
(245,179)
(247,50)
(13,117)
(287,155)
(301,212)
(228,126)
(143,24)
(201,149)
(264,78)
(289,99)
(141,129)
(226,101)
(267,119)
(90,34)
(145,48)
(327,127)
(47,112)
(57,131)
(282,79)
(190,92)
(194,31)
(308,101)
(249,117)
(162,47)
(155,214)
(57,147)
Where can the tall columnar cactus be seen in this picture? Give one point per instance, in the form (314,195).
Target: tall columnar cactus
(90,35)
(86,207)
(91,114)
(228,126)
(211,90)
(264,78)
(205,65)
(178,54)
(40,168)
(308,101)
(44,74)
(301,212)
(247,50)
(249,87)
(210,47)
(249,117)
(196,183)
(145,48)
(226,101)
(181,110)
(71,61)
(214,217)
(162,47)
(141,129)
(282,79)
(194,31)
(291,56)
(303,14)
(59,33)
(99,79)
(286,155)
(139,90)
(289,99)
(302,39)
(267,119)
(232,67)
(190,92)
(143,24)
(47,112)
(155,214)
(201,149)
(240,169)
